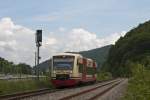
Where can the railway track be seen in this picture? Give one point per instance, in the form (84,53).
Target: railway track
(65,94)
(84,94)
(18,96)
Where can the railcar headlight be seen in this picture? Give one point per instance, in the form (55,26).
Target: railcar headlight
(70,71)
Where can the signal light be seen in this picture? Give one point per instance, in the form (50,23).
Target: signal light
(39,36)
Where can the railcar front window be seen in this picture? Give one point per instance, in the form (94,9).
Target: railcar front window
(63,63)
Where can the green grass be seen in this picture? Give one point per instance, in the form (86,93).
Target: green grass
(9,87)
(139,85)
(103,76)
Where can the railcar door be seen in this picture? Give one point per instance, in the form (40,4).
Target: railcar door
(82,68)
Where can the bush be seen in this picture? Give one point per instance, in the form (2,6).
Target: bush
(139,84)
(103,75)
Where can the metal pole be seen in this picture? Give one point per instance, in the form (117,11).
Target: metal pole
(38,44)
(35,62)
(38,60)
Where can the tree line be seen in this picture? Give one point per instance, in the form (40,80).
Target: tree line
(7,67)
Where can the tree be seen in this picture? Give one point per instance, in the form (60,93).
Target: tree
(133,47)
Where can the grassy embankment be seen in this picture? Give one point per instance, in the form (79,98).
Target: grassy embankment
(139,84)
(14,86)
(9,86)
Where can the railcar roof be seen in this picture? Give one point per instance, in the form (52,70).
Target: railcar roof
(72,54)
(89,59)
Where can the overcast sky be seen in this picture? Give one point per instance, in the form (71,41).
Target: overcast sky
(68,25)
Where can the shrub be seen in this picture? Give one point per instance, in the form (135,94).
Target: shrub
(103,75)
(139,84)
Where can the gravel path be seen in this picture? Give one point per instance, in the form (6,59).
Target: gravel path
(60,94)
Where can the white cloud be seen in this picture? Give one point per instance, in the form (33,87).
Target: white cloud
(112,38)
(80,39)
(77,39)
(17,43)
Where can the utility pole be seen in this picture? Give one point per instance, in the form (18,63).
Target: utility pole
(38,44)
(35,61)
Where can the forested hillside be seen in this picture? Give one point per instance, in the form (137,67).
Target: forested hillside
(133,47)
(98,54)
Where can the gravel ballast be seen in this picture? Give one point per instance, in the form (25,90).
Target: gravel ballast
(116,93)
(113,94)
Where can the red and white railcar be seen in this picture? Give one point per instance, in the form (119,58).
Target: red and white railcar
(70,69)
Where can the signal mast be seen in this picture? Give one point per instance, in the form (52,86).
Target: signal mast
(38,40)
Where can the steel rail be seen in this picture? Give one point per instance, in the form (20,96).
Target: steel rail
(26,94)
(86,91)
(103,92)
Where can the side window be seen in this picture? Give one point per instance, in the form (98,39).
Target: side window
(91,70)
(80,64)
(80,68)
